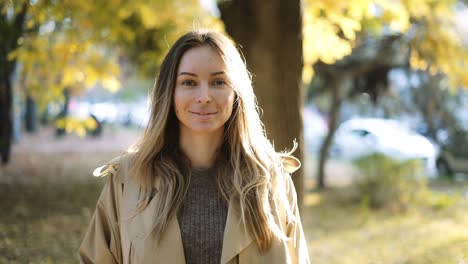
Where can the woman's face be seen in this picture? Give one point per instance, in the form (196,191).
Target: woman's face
(203,98)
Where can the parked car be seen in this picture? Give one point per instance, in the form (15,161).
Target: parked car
(453,158)
(363,136)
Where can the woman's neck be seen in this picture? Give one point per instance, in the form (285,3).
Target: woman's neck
(200,148)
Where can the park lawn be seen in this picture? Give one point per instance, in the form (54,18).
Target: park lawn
(43,222)
(434,233)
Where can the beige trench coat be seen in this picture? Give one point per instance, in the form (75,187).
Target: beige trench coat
(113,236)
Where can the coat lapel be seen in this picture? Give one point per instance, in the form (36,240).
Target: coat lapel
(169,249)
(236,238)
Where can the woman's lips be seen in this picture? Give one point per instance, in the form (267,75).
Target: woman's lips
(203,115)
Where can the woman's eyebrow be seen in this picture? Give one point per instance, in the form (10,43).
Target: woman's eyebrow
(218,73)
(187,73)
(193,74)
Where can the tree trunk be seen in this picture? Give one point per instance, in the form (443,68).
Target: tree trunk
(6,121)
(10,31)
(44,118)
(339,85)
(31,115)
(271,39)
(60,132)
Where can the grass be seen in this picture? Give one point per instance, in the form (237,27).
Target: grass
(47,194)
(44,222)
(344,233)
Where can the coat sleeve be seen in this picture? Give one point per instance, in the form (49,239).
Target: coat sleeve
(297,244)
(101,243)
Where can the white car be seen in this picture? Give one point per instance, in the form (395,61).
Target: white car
(362,136)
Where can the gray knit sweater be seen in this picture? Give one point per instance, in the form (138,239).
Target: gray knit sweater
(202,219)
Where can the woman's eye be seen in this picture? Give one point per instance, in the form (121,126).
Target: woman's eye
(188,83)
(219,83)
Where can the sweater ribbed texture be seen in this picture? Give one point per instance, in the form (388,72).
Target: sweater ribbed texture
(202,219)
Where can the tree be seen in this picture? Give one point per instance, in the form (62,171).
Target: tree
(76,44)
(423,30)
(364,71)
(11,30)
(434,102)
(271,39)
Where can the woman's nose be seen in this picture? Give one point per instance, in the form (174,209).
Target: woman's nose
(204,95)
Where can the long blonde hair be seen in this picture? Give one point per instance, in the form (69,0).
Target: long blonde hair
(250,170)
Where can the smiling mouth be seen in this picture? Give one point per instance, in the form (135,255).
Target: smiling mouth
(203,113)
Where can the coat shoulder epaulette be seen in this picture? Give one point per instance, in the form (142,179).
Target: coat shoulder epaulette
(109,168)
(290,163)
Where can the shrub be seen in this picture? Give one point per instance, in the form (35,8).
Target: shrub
(387,183)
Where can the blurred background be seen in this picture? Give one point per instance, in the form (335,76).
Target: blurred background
(374,91)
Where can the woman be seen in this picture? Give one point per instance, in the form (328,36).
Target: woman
(204,184)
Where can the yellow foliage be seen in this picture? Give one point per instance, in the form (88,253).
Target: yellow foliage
(321,42)
(78,55)
(395,14)
(330,29)
(437,47)
(324,21)
(307,73)
(83,48)
(111,83)
(76,125)
(69,76)
(148,17)
(418,8)
(416,62)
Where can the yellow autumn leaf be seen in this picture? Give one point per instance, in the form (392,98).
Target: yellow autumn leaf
(416,62)
(68,77)
(307,73)
(80,131)
(60,123)
(147,16)
(13,55)
(417,8)
(347,25)
(395,15)
(358,9)
(111,83)
(90,123)
(91,77)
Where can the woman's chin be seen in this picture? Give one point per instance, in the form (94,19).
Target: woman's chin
(204,128)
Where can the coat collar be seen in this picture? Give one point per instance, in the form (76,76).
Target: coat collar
(170,248)
(236,237)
